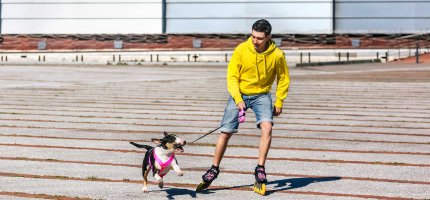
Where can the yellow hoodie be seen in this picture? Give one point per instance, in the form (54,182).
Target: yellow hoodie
(252,73)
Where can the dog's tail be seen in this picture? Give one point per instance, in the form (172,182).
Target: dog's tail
(147,147)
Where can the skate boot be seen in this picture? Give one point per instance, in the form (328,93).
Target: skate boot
(260,180)
(208,177)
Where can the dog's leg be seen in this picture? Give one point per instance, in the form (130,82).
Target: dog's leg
(145,182)
(159,180)
(178,170)
(160,184)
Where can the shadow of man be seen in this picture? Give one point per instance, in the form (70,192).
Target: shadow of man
(285,184)
(292,183)
(276,186)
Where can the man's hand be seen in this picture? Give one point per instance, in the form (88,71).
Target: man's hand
(277,111)
(241,106)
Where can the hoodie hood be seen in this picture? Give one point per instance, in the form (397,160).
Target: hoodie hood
(260,58)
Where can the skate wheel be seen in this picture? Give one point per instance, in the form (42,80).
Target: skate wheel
(260,188)
(202,186)
(263,189)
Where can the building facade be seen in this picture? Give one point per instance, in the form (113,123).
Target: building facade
(213,16)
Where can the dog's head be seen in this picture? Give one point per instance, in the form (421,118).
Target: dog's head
(171,142)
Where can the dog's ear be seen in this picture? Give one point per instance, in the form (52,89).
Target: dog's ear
(165,134)
(156,141)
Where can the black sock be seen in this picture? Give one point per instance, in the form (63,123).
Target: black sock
(215,167)
(260,166)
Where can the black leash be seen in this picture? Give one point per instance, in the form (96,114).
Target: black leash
(235,120)
(207,133)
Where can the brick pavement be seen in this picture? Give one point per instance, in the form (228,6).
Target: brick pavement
(347,132)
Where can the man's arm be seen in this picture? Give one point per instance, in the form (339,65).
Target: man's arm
(283,82)
(233,73)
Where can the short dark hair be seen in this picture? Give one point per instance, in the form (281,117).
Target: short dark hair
(262,25)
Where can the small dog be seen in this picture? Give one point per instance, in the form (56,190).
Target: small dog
(161,159)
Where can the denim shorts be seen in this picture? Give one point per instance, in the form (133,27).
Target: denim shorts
(261,104)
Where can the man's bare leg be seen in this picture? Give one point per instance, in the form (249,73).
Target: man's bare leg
(265,141)
(221,146)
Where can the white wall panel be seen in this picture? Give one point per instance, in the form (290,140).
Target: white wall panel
(243,26)
(81,17)
(254,10)
(70,11)
(204,16)
(78,1)
(87,26)
(213,16)
(246,1)
(382,16)
(384,26)
(405,9)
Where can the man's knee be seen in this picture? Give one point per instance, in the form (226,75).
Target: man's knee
(266,127)
(225,136)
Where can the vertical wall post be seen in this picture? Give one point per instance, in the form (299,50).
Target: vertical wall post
(1,19)
(417,53)
(301,57)
(163,16)
(333,17)
(0,16)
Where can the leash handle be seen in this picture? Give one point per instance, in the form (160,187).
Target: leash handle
(241,116)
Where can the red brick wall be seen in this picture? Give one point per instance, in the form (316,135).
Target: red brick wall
(173,42)
(177,42)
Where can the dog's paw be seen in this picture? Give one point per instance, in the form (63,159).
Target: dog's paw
(160,184)
(180,173)
(145,190)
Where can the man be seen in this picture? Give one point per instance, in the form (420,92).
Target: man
(251,73)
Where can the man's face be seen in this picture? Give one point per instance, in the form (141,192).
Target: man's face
(259,39)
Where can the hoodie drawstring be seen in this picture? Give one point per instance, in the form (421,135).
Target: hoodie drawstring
(265,66)
(256,65)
